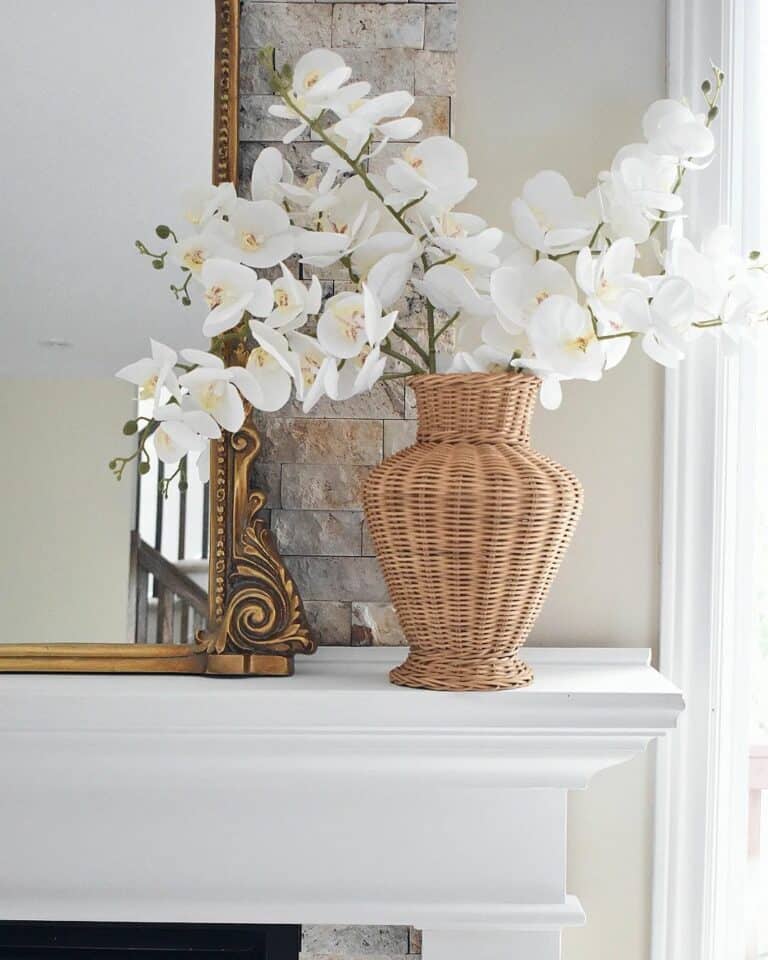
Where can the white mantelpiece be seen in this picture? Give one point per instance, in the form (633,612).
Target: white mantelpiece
(297,800)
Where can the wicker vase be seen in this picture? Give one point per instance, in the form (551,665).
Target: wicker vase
(470,525)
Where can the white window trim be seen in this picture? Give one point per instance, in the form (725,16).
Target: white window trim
(706,617)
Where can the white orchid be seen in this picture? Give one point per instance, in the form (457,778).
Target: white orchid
(272,365)
(607,280)
(202,203)
(673,130)
(637,192)
(548,216)
(230,290)
(432,175)
(180,432)
(341,327)
(469,242)
(377,325)
(211,389)
(318,79)
(191,252)
(449,290)
(270,175)
(495,301)
(312,363)
(262,232)
(517,291)
(379,118)
(712,271)
(352,211)
(154,373)
(564,340)
(666,322)
(293,301)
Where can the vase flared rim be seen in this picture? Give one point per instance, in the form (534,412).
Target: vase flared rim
(512,376)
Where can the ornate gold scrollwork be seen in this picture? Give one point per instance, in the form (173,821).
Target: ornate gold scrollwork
(255,608)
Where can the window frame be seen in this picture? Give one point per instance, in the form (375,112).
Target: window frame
(707,607)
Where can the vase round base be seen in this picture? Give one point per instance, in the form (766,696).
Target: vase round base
(436,673)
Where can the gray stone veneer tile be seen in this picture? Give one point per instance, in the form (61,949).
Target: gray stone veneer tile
(307,486)
(301,440)
(338,578)
(376,624)
(440,29)
(435,72)
(330,621)
(288,26)
(379,25)
(332,533)
(386,941)
(385,401)
(398,434)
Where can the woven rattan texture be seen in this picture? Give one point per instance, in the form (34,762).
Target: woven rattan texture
(470,525)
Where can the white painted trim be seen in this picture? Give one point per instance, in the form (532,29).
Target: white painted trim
(700,825)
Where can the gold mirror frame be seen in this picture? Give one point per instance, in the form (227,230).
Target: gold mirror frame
(256,619)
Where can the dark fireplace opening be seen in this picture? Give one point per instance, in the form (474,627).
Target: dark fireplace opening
(29,940)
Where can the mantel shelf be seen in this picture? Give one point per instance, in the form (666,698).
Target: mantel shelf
(296,800)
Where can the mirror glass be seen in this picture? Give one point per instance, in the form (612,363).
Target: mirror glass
(103,127)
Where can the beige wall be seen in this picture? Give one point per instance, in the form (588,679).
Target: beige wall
(66,521)
(562,85)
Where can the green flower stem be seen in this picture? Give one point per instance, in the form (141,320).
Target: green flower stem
(431,338)
(447,325)
(396,355)
(355,165)
(412,342)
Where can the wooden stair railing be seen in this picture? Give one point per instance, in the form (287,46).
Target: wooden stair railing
(173,588)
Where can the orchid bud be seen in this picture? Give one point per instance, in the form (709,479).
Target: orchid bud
(754,254)
(163,232)
(144,468)
(713,112)
(706,86)
(157,264)
(130,427)
(183,486)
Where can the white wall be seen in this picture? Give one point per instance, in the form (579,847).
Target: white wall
(66,520)
(106,116)
(562,85)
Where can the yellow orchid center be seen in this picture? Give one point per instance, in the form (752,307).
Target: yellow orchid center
(282,300)
(249,241)
(311,79)
(210,395)
(541,296)
(215,295)
(413,159)
(260,358)
(309,367)
(149,387)
(194,259)
(163,442)
(581,343)
(351,320)
(450,228)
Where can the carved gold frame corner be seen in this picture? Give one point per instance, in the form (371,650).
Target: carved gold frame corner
(256,619)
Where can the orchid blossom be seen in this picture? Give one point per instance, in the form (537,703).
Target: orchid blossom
(556,290)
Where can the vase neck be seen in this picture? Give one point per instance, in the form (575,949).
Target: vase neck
(475,407)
